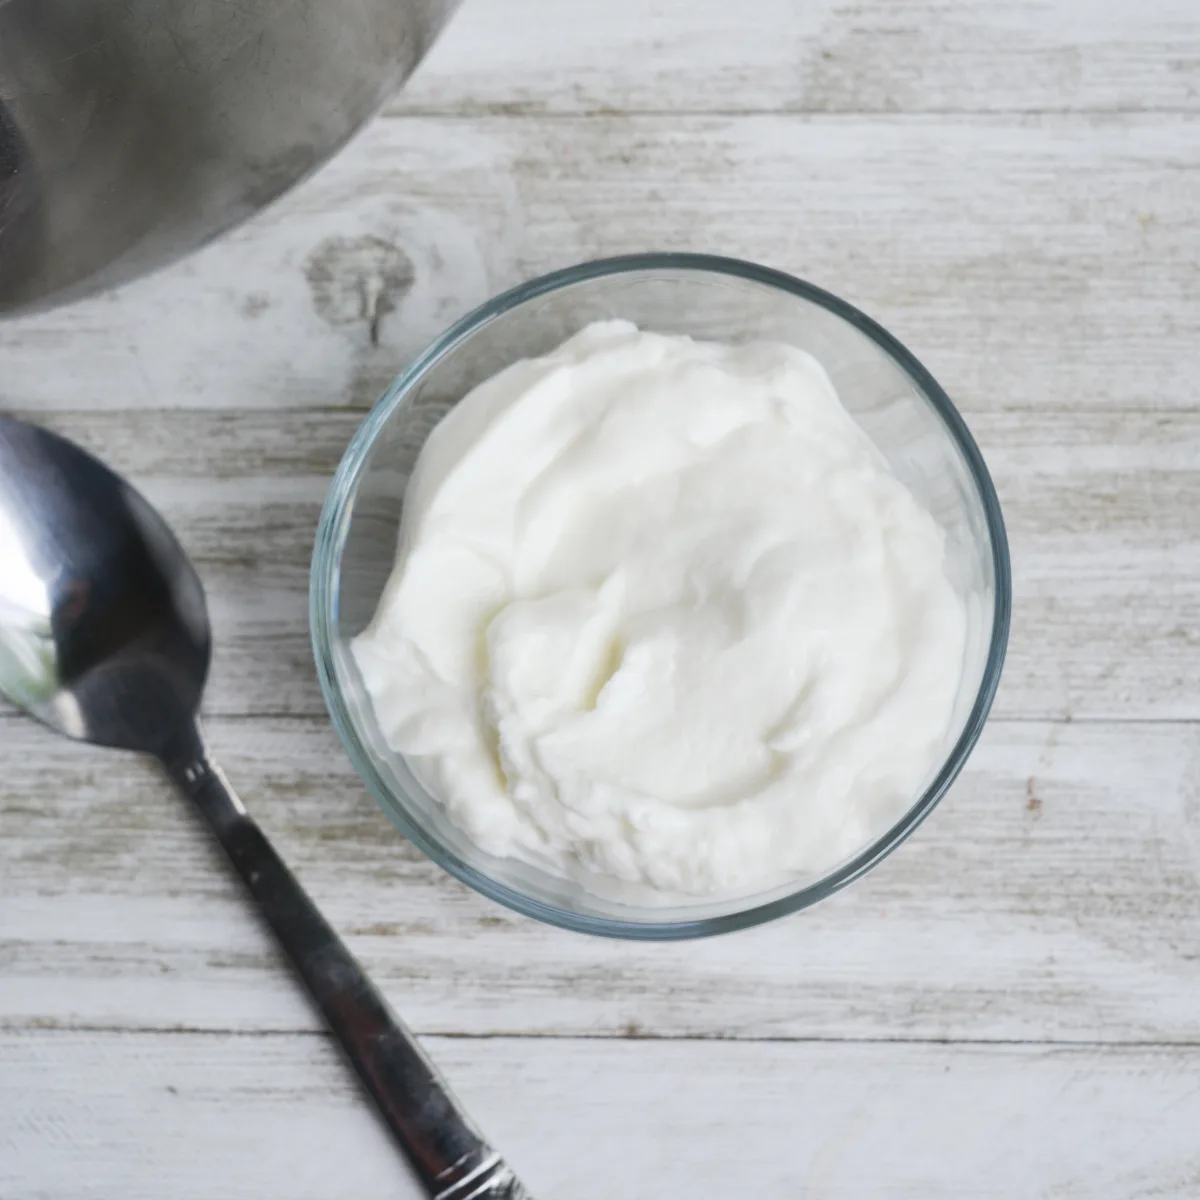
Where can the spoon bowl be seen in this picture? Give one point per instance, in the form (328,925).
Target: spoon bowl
(104,631)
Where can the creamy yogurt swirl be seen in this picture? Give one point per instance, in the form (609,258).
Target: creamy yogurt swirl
(662,612)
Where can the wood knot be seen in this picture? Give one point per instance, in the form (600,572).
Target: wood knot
(358,279)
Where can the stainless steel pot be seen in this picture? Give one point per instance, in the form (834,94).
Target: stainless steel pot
(133,131)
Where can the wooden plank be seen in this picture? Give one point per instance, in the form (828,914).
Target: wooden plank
(89,1117)
(534,56)
(1040,262)
(1051,897)
(1100,507)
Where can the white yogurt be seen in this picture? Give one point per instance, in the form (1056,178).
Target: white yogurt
(662,612)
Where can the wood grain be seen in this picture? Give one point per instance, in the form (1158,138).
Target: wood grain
(1051,897)
(1034,263)
(1100,508)
(89,1117)
(528,56)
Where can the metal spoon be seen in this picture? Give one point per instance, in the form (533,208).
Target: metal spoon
(104,636)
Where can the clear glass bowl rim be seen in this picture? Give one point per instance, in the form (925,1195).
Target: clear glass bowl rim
(333,528)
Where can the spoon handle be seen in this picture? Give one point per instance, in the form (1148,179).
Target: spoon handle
(448,1154)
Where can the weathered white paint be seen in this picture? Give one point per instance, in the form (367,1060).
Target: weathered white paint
(1101,510)
(142,1117)
(1053,896)
(813,56)
(1007,1006)
(1033,262)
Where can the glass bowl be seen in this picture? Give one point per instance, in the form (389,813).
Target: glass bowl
(887,390)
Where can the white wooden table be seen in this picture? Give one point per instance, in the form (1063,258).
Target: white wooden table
(1008,1007)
